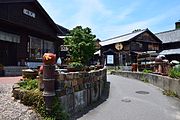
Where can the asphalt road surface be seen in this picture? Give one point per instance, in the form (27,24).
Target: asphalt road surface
(131,99)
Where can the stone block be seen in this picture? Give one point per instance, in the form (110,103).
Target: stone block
(69,90)
(80,100)
(80,81)
(74,82)
(101,87)
(61,76)
(64,102)
(95,92)
(76,76)
(88,96)
(70,101)
(69,76)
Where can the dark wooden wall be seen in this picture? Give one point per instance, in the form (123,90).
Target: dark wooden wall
(13,12)
(167,46)
(13,20)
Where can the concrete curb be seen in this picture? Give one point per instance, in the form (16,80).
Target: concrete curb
(164,82)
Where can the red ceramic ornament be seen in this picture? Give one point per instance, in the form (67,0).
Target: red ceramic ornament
(49,59)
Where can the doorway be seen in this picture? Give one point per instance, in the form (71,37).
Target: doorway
(8,52)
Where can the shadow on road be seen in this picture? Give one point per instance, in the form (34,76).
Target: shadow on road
(103,98)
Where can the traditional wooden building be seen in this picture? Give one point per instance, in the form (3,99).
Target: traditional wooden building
(125,49)
(26,33)
(171,43)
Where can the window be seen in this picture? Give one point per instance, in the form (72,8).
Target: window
(48,46)
(38,47)
(153,47)
(9,37)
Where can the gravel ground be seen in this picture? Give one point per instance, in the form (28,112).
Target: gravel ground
(11,109)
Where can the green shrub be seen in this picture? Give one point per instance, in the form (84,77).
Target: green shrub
(77,65)
(175,72)
(147,71)
(33,97)
(29,84)
(177,68)
(170,93)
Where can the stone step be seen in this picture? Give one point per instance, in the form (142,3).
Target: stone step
(14,70)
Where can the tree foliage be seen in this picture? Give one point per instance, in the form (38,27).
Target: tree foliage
(81,44)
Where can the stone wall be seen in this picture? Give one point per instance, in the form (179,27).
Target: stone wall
(77,90)
(164,82)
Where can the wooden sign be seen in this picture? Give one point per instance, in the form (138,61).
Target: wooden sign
(119,46)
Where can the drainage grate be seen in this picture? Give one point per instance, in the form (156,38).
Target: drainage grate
(126,100)
(142,92)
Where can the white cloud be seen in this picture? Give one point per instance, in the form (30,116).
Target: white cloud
(153,22)
(87,11)
(103,21)
(127,28)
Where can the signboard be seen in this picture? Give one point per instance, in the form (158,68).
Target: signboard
(29,13)
(64,48)
(119,46)
(110,59)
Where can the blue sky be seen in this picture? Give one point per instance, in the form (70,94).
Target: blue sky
(110,18)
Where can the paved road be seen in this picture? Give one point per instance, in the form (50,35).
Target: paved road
(10,109)
(125,104)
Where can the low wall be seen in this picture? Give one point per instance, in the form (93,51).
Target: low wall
(77,90)
(163,82)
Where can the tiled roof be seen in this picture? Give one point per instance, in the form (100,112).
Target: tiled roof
(122,38)
(170,52)
(169,36)
(64,31)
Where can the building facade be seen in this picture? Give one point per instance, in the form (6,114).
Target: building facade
(171,43)
(26,32)
(125,49)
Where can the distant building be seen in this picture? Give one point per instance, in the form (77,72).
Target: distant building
(124,49)
(171,43)
(26,33)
